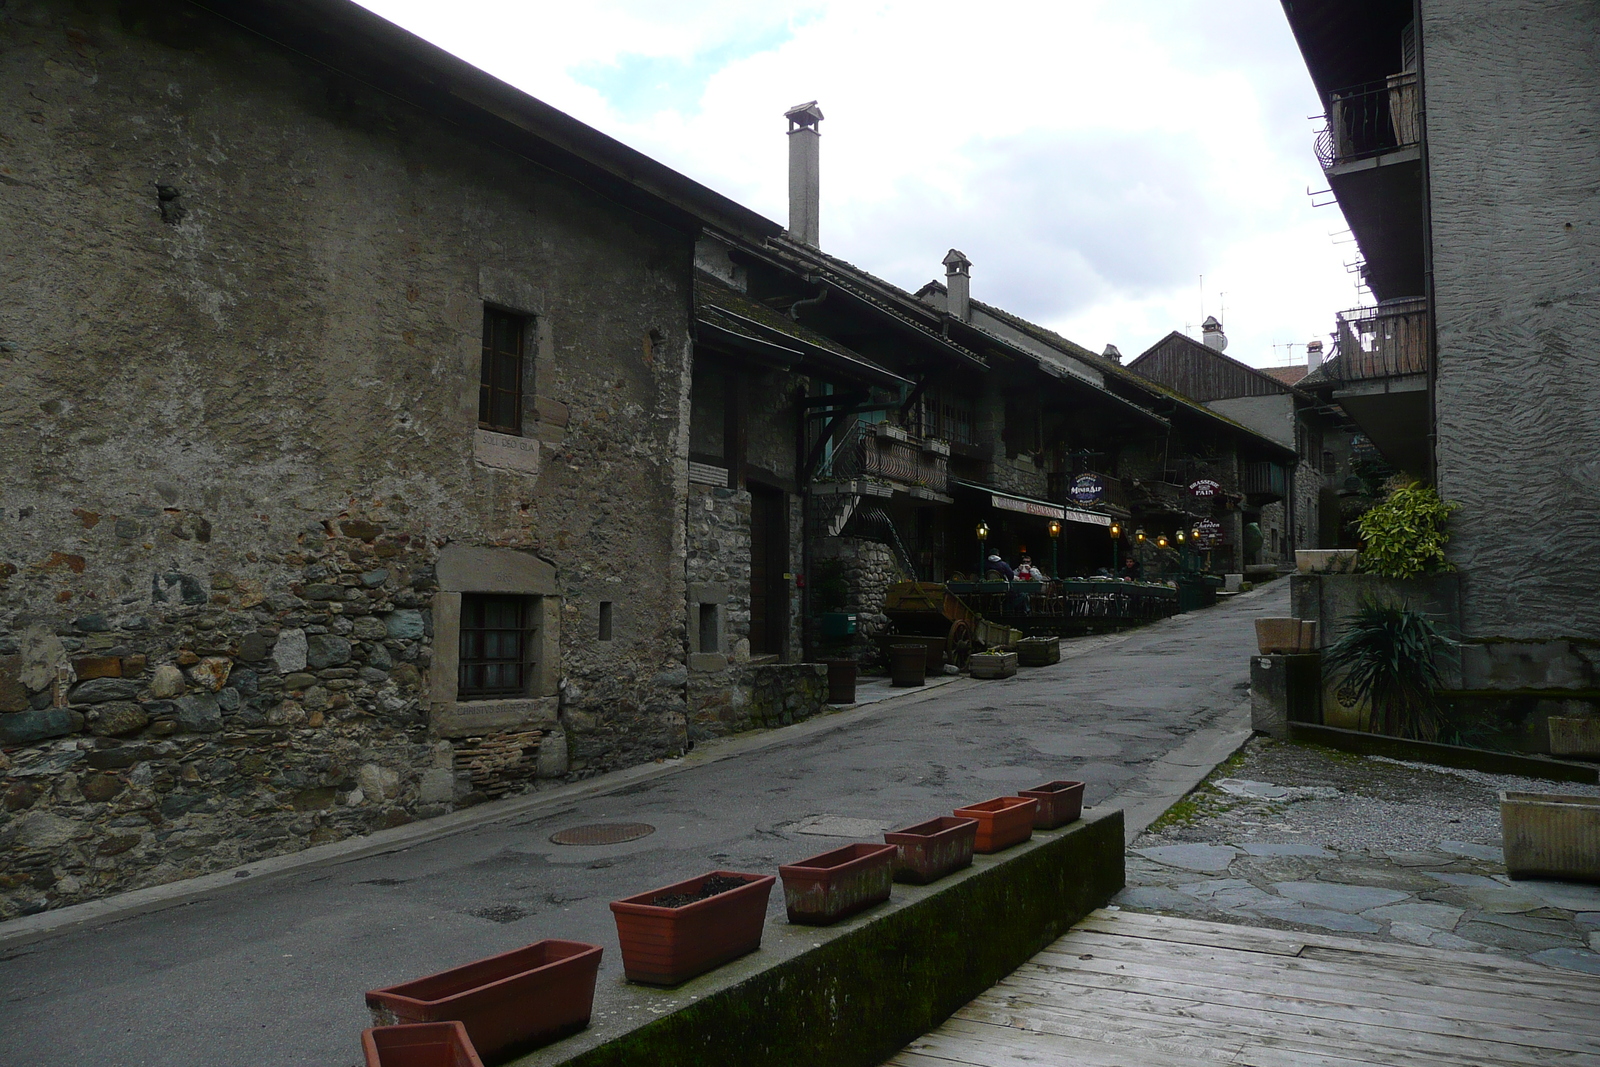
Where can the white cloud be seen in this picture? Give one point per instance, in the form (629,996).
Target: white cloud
(1094,159)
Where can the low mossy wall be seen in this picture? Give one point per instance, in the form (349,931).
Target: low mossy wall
(855,994)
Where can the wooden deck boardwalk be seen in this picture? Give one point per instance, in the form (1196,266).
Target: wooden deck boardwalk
(1128,989)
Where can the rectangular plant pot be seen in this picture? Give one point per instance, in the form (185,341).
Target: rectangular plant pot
(992,664)
(1038,651)
(1059,803)
(1551,835)
(1575,736)
(666,946)
(443,1044)
(930,850)
(509,1003)
(1002,822)
(838,883)
(1289,636)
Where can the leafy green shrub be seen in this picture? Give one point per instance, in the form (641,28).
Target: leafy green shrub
(1390,656)
(1404,536)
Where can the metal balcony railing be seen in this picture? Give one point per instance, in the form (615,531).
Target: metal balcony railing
(1368,120)
(1387,341)
(879,450)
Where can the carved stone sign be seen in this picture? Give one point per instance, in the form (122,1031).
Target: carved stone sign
(506,451)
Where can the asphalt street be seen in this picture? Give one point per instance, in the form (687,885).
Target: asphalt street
(268,972)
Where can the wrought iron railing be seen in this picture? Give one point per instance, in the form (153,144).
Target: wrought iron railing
(1387,341)
(1368,120)
(880,450)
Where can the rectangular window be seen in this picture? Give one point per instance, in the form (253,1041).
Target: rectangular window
(605,620)
(500,377)
(494,646)
(709,638)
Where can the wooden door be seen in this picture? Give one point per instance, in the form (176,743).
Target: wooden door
(769,551)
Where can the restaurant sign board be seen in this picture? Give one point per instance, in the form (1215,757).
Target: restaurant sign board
(1087,489)
(1209,533)
(1204,489)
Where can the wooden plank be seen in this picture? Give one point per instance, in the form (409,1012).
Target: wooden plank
(1240,938)
(1316,1031)
(1467,997)
(1210,990)
(1006,1047)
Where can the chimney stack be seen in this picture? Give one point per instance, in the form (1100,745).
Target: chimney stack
(1313,356)
(958,284)
(1212,335)
(805,190)
(1113,353)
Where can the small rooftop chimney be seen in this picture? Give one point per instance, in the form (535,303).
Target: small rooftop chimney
(805,190)
(1113,353)
(1211,333)
(958,284)
(1313,356)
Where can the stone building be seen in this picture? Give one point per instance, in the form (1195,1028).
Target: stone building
(1457,130)
(344,443)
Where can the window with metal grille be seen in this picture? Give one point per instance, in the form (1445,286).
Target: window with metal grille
(494,646)
(500,379)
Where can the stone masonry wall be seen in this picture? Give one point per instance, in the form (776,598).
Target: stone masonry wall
(239,424)
(1512,92)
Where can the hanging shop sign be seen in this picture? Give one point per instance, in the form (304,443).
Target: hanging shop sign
(1087,489)
(1210,534)
(1204,489)
(1027,507)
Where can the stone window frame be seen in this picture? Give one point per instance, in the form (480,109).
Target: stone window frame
(702,595)
(507,571)
(526,339)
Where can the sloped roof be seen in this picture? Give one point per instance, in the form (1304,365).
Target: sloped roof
(1289,375)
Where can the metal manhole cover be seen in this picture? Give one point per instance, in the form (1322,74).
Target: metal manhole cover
(603,833)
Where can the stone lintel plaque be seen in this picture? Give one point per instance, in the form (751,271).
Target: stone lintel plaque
(506,451)
(470,718)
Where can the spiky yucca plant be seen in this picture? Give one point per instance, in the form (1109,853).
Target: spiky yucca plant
(1390,654)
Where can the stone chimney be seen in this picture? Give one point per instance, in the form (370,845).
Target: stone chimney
(1212,335)
(805,190)
(1113,353)
(1313,356)
(958,284)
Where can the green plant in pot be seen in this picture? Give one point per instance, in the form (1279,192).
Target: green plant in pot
(1390,654)
(1404,536)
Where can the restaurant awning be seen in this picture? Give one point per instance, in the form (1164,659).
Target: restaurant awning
(1030,506)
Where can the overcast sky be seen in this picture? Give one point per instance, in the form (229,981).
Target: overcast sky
(1092,159)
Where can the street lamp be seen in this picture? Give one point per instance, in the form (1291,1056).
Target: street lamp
(1055,545)
(1116,538)
(1161,542)
(983,536)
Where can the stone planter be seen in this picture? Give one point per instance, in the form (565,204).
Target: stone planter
(1551,835)
(930,850)
(668,945)
(1059,803)
(509,1003)
(443,1044)
(841,681)
(1038,651)
(1289,636)
(838,883)
(1575,737)
(1326,560)
(908,665)
(992,664)
(1002,822)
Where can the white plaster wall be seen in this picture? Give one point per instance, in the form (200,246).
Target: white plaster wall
(1513,113)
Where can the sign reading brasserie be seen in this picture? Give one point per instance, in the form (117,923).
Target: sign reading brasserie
(1087,489)
(1204,489)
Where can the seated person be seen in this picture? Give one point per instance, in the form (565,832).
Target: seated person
(1131,569)
(1028,572)
(997,568)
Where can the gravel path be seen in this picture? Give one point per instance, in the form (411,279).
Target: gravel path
(1297,837)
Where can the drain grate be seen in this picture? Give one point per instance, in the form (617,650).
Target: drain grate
(603,833)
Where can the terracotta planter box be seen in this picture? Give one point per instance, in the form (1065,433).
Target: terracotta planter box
(443,1044)
(930,850)
(666,946)
(841,681)
(1289,636)
(838,883)
(908,665)
(1059,803)
(1575,737)
(1038,651)
(1551,835)
(509,1003)
(1002,822)
(992,664)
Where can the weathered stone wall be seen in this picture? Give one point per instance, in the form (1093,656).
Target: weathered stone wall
(239,425)
(868,568)
(1512,92)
